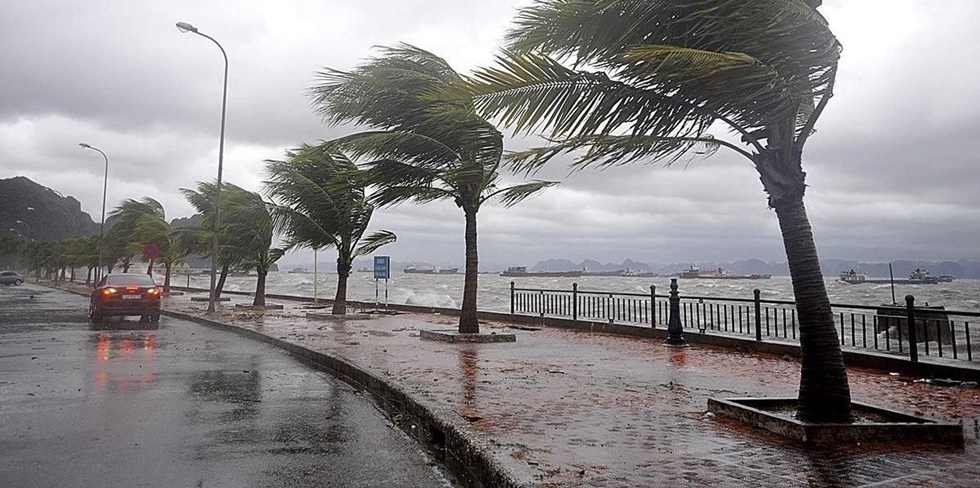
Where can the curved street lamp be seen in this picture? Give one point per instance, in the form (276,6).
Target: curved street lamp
(185,27)
(105,185)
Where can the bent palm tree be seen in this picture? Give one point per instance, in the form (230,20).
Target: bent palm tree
(200,238)
(143,222)
(423,149)
(660,73)
(323,204)
(247,226)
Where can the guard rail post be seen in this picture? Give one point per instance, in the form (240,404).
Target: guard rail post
(758,314)
(910,317)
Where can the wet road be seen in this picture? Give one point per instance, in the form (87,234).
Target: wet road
(121,404)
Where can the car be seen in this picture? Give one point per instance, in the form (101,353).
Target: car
(122,294)
(11,278)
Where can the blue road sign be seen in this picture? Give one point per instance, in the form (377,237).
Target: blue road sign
(381,267)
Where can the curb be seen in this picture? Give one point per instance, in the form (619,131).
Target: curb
(461,450)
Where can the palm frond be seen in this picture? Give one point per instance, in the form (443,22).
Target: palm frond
(513,195)
(374,241)
(604,151)
(532,92)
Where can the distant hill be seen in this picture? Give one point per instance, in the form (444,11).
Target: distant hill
(54,216)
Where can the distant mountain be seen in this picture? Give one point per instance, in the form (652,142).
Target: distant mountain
(54,216)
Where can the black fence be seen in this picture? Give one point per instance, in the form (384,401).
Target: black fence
(935,332)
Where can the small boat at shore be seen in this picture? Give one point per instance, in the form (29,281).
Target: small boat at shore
(521,271)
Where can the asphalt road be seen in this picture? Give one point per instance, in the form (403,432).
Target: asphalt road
(121,404)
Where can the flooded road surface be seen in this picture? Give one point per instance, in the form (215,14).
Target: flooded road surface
(128,404)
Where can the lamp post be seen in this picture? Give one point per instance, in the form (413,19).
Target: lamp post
(185,27)
(37,274)
(105,185)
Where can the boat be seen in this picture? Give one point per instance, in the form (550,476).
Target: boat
(918,277)
(945,278)
(299,270)
(433,270)
(521,271)
(719,274)
(638,273)
(853,276)
(618,272)
(629,273)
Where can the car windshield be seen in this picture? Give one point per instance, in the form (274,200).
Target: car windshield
(130,280)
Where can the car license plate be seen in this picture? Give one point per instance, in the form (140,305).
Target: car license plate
(132,297)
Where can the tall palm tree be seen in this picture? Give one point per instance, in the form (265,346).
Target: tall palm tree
(421,148)
(322,204)
(648,79)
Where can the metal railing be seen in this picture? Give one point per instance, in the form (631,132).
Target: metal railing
(936,332)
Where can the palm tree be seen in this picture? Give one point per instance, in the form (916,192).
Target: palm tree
(141,223)
(246,227)
(421,148)
(322,203)
(202,200)
(650,78)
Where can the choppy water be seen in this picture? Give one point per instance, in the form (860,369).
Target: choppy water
(494,291)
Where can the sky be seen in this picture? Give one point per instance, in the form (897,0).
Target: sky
(892,169)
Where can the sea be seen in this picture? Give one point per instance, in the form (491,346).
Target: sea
(446,291)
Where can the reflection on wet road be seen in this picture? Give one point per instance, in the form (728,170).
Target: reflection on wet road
(127,404)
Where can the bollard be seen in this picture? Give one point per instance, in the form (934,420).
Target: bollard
(910,317)
(675,331)
(512,298)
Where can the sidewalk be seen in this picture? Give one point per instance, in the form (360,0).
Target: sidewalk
(564,408)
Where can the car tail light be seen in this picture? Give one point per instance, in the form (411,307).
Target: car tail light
(109,291)
(153,291)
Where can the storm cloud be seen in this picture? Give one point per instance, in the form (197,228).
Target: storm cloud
(892,169)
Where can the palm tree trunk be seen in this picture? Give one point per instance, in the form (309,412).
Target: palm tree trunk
(259,300)
(221,281)
(824,393)
(344,266)
(149,268)
(468,323)
(166,277)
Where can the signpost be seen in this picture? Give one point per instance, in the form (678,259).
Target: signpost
(382,271)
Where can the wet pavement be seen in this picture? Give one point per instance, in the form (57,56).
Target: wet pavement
(567,408)
(125,404)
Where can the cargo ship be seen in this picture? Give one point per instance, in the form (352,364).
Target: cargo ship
(521,271)
(917,277)
(439,271)
(719,274)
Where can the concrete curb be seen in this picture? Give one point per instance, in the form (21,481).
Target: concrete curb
(462,450)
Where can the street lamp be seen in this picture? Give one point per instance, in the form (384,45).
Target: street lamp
(105,185)
(185,27)
(37,276)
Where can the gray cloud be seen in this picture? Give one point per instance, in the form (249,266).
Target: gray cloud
(892,168)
